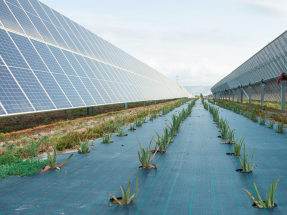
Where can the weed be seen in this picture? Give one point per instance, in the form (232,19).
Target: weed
(269,199)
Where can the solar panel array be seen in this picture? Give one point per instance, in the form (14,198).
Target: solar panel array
(49,62)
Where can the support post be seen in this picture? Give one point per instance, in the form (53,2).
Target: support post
(144,103)
(90,111)
(126,106)
(238,95)
(233,95)
(154,101)
(241,95)
(250,93)
(283,95)
(262,94)
(229,94)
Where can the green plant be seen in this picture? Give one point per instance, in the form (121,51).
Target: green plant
(107,138)
(126,198)
(280,128)
(53,161)
(144,120)
(270,124)
(121,132)
(238,145)
(138,122)
(145,156)
(231,135)
(162,143)
(132,126)
(246,167)
(84,147)
(32,148)
(262,121)
(269,199)
(224,129)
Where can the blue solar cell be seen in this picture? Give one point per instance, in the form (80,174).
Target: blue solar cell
(39,10)
(50,14)
(103,87)
(61,20)
(95,53)
(67,39)
(29,53)
(42,29)
(100,67)
(9,52)
(82,91)
(86,48)
(115,94)
(1,62)
(14,2)
(101,90)
(81,31)
(64,63)
(11,96)
(53,89)
(27,7)
(121,94)
(77,44)
(85,66)
(73,61)
(93,91)
(24,21)
(8,19)
(47,57)
(55,34)
(32,89)
(71,26)
(69,90)
(94,68)
(2,112)
(109,71)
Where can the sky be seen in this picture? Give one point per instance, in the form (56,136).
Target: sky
(199,41)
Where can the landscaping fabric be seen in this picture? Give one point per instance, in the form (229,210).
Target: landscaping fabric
(195,176)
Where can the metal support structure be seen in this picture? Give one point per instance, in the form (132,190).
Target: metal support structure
(262,94)
(229,94)
(154,101)
(241,95)
(238,95)
(233,95)
(90,111)
(126,106)
(250,93)
(283,95)
(144,103)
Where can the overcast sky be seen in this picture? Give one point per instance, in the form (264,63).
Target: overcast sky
(200,41)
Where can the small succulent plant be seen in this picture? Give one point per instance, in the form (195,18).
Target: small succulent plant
(84,147)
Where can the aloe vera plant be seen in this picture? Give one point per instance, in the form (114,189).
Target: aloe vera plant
(132,126)
(138,122)
(247,166)
(280,128)
(145,156)
(269,199)
(144,120)
(84,147)
(121,132)
(126,198)
(162,143)
(238,145)
(230,135)
(107,138)
(270,124)
(53,161)
(262,121)
(224,130)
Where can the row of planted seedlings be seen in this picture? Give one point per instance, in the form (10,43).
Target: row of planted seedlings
(147,155)
(246,164)
(22,161)
(251,113)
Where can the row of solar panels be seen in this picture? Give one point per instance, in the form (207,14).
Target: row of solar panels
(266,64)
(39,75)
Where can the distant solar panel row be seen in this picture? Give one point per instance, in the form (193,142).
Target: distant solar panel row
(49,62)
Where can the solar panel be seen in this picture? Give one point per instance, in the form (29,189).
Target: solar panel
(49,62)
